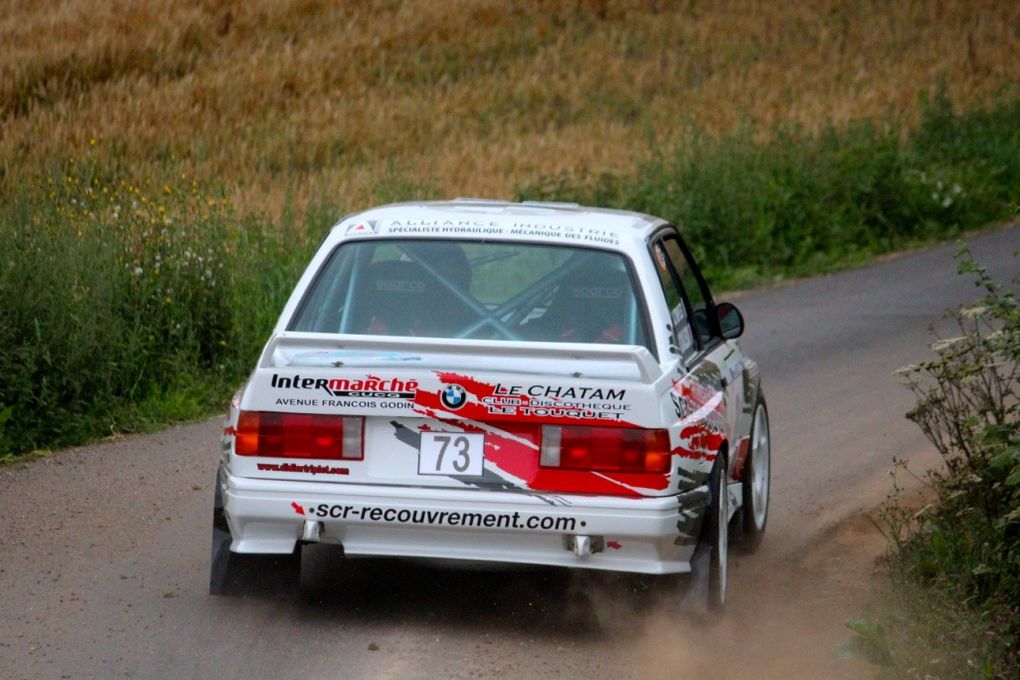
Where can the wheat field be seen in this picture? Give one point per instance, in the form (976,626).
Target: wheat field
(277,101)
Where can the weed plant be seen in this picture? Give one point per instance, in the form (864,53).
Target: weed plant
(126,305)
(955,565)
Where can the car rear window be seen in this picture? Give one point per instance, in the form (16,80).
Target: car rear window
(466,289)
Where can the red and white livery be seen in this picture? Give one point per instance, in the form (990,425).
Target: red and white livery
(532,383)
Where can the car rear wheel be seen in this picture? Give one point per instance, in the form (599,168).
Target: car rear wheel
(718,535)
(757,479)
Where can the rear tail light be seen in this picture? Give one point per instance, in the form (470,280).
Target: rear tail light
(610,449)
(299,435)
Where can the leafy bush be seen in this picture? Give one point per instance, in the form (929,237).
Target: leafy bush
(956,564)
(125,305)
(799,203)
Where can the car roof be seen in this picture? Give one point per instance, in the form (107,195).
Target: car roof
(470,216)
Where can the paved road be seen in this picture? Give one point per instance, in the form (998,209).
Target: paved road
(104,549)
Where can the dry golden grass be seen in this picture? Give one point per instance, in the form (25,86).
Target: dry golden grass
(468,97)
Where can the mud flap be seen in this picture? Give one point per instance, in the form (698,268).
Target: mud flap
(220,557)
(231,573)
(695,599)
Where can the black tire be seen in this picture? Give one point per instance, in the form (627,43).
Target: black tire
(233,573)
(757,472)
(718,535)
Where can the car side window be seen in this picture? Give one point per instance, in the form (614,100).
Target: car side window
(682,335)
(693,287)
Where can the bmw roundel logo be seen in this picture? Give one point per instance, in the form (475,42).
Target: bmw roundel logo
(452,396)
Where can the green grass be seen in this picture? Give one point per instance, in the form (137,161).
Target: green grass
(799,203)
(123,306)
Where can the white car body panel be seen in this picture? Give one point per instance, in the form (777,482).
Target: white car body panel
(269,520)
(646,524)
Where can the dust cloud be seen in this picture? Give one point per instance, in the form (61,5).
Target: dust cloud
(783,619)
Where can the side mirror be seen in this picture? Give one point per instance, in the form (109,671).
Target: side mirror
(731,321)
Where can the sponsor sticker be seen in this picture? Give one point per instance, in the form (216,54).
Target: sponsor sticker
(371,386)
(361,228)
(439,518)
(483,227)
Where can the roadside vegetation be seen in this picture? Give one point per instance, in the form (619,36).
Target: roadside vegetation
(798,202)
(167,168)
(129,306)
(955,564)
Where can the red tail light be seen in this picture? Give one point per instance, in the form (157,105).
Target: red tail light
(299,435)
(611,449)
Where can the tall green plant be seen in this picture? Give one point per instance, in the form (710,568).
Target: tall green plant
(968,406)
(956,564)
(124,304)
(798,202)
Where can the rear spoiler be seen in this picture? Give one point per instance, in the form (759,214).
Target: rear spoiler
(291,348)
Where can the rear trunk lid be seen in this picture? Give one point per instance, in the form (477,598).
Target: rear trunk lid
(419,397)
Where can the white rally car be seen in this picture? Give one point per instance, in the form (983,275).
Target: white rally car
(532,383)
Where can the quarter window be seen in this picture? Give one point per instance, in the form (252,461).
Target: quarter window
(693,288)
(682,335)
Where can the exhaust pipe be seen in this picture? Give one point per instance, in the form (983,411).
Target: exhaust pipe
(310,531)
(584,545)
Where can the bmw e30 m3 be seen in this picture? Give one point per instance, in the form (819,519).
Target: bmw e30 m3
(531,383)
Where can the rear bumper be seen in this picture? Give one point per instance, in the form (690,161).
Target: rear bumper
(646,535)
